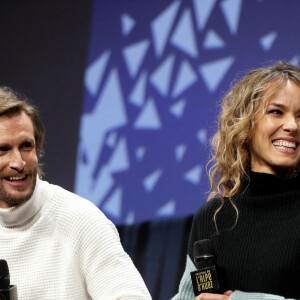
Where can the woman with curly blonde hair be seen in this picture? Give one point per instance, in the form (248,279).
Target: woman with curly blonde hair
(252,217)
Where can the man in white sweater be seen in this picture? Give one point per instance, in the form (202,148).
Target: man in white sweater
(57,244)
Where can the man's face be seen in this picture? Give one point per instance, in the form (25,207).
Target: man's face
(18,160)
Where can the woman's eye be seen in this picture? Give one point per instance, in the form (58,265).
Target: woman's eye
(275,111)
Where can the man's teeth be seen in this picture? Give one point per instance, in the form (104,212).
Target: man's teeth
(284,144)
(16,178)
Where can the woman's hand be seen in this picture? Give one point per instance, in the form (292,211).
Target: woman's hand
(209,296)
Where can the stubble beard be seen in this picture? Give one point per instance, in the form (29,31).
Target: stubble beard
(12,200)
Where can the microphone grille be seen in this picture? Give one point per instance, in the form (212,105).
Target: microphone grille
(203,248)
(4,272)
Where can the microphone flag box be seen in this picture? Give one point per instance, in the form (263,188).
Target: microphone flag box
(205,281)
(9,293)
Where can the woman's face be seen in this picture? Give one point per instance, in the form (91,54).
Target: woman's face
(275,145)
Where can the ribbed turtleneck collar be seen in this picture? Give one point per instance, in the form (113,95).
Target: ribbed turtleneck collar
(19,216)
(262,184)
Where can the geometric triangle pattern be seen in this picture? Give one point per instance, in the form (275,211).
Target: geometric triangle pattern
(295,60)
(213,72)
(111,139)
(202,136)
(161,77)
(151,180)
(119,160)
(140,153)
(129,220)
(268,40)
(184,37)
(148,118)
(213,41)
(203,10)
(127,24)
(134,55)
(167,210)
(113,205)
(179,152)
(177,109)
(94,73)
(232,11)
(194,175)
(156,72)
(137,96)
(161,27)
(186,77)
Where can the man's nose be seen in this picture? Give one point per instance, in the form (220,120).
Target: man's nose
(17,161)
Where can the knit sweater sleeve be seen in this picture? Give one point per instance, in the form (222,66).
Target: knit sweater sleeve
(107,270)
(199,230)
(110,273)
(238,295)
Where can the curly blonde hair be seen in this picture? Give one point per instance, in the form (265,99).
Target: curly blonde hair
(230,152)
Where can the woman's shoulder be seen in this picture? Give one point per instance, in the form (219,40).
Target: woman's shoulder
(211,212)
(208,208)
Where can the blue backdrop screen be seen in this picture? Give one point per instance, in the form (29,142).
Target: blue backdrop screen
(155,75)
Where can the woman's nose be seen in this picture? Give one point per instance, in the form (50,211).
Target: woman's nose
(291,124)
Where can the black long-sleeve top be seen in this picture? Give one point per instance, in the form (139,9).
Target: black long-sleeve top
(261,253)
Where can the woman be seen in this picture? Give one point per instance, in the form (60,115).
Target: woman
(254,223)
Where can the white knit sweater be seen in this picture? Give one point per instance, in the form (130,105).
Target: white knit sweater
(60,246)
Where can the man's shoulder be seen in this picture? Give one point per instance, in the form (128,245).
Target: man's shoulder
(67,205)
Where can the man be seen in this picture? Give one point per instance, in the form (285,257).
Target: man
(57,244)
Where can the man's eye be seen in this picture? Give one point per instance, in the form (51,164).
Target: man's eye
(27,145)
(4,148)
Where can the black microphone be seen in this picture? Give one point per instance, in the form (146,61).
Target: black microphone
(7,291)
(205,279)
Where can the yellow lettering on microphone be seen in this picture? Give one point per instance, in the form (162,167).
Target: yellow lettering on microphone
(204,280)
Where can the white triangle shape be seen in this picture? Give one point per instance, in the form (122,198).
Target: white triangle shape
(130,218)
(140,153)
(148,118)
(185,78)
(127,24)
(202,136)
(177,109)
(161,27)
(151,180)
(113,206)
(232,11)
(268,40)
(295,60)
(100,187)
(110,111)
(137,96)
(111,139)
(161,77)
(94,73)
(203,9)
(184,37)
(134,55)
(213,41)
(119,160)
(194,175)
(179,152)
(167,210)
(214,72)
